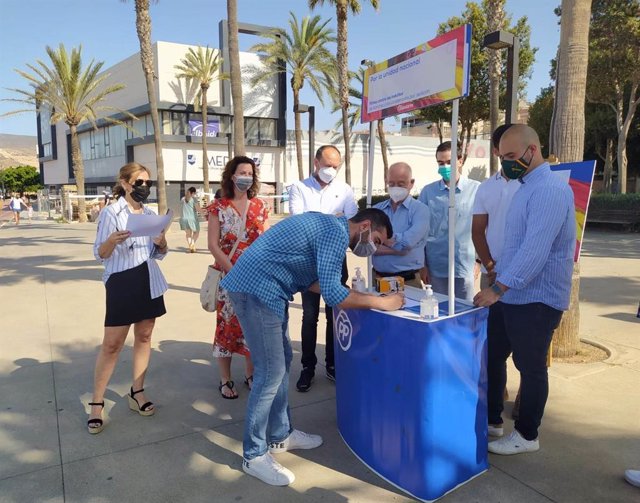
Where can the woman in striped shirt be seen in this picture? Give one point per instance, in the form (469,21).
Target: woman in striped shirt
(134,289)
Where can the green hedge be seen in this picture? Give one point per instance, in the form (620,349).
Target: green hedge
(615,202)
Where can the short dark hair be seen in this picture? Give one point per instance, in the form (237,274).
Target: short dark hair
(321,150)
(378,219)
(497,134)
(192,190)
(445,146)
(228,187)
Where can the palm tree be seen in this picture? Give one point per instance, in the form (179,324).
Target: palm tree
(73,94)
(567,133)
(342,8)
(201,66)
(143,28)
(236,78)
(355,109)
(495,21)
(304,53)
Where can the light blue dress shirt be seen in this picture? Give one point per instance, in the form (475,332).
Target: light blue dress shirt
(540,240)
(410,222)
(290,257)
(436,197)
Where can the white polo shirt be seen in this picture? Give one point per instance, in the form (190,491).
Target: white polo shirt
(494,198)
(308,195)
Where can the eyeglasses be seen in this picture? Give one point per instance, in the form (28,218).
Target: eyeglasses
(139,182)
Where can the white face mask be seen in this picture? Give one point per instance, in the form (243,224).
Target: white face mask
(398,194)
(327,174)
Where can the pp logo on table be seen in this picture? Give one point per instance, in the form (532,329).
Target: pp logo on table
(344,330)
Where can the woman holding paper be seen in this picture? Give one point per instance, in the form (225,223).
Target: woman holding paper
(236,220)
(134,289)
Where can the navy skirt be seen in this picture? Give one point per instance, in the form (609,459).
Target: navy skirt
(129,298)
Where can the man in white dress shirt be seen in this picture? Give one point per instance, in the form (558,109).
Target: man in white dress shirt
(323,193)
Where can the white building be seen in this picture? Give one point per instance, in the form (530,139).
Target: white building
(108,148)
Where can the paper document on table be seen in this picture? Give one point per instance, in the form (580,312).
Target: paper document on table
(148,225)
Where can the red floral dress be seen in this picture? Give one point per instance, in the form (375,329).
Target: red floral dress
(228,337)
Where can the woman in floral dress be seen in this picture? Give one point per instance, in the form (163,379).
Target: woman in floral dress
(239,189)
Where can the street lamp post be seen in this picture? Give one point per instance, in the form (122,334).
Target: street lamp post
(500,40)
(301,109)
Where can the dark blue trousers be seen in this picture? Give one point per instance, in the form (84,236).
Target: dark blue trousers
(526,331)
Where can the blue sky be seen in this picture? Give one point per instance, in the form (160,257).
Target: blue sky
(106,30)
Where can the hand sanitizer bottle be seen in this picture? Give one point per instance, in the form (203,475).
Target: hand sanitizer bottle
(358,283)
(429,304)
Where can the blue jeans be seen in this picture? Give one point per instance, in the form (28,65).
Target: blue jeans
(526,330)
(267,336)
(463,286)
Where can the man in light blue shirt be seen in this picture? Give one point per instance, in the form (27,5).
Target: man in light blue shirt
(436,197)
(533,285)
(403,254)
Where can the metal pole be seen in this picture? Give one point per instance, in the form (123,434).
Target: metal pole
(513,63)
(312,137)
(372,153)
(452,206)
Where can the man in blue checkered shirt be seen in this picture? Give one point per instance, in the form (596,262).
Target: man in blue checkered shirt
(303,252)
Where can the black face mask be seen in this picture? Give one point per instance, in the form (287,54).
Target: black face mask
(140,194)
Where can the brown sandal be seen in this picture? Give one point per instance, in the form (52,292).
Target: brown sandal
(249,382)
(96,425)
(229,385)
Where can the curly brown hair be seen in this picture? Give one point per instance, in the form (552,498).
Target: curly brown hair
(228,187)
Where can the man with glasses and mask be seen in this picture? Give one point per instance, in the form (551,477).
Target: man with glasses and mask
(321,192)
(436,197)
(402,254)
(532,287)
(302,253)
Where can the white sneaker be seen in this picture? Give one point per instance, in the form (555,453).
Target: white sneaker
(495,430)
(513,444)
(633,477)
(268,470)
(296,440)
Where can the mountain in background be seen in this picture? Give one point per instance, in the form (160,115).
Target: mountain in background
(18,150)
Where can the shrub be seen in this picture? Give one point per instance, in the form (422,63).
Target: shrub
(604,202)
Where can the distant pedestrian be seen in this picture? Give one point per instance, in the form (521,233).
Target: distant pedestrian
(189,222)
(134,289)
(16,205)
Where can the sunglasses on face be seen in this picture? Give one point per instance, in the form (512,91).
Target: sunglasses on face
(139,182)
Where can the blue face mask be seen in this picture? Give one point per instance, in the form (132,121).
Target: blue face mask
(445,172)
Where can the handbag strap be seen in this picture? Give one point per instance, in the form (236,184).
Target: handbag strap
(244,224)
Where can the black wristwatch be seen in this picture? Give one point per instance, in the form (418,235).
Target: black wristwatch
(497,290)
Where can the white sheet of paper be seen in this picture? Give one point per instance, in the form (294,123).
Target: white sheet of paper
(148,225)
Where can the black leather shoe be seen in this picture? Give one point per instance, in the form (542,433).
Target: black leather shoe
(306,379)
(331,373)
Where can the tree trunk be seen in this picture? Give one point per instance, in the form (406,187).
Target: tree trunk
(568,132)
(236,79)
(78,172)
(495,18)
(569,122)
(205,156)
(143,27)
(383,148)
(566,339)
(298,132)
(623,131)
(343,84)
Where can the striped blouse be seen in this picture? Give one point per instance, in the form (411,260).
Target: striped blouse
(130,253)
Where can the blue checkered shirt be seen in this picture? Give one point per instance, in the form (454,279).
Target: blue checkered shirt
(290,257)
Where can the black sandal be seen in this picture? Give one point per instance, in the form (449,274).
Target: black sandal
(249,381)
(95,425)
(230,385)
(146,410)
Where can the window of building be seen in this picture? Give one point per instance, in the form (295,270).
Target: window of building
(45,130)
(259,129)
